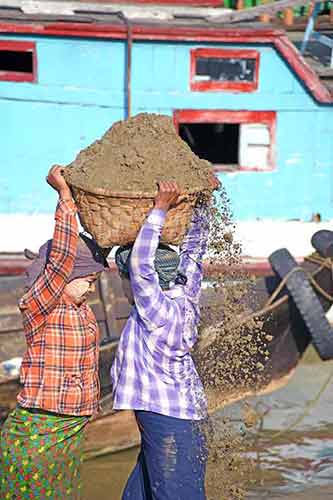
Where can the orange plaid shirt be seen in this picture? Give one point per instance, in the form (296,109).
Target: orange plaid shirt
(59,370)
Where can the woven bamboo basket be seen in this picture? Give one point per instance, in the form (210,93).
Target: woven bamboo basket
(115,218)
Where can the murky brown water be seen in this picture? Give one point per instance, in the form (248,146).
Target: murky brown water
(296,464)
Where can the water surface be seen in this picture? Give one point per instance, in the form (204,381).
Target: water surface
(291,462)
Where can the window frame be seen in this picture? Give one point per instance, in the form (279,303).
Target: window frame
(240,117)
(213,86)
(18,76)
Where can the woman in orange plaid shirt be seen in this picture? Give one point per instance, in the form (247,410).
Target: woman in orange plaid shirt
(41,439)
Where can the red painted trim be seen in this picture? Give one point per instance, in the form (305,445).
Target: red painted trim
(226,116)
(16,76)
(13,267)
(310,78)
(177,33)
(13,76)
(142,32)
(196,3)
(211,85)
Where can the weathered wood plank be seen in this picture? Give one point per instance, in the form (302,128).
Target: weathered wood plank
(103,333)
(120,325)
(8,392)
(122,308)
(106,356)
(10,322)
(111,433)
(12,344)
(254,12)
(107,300)
(162,12)
(11,290)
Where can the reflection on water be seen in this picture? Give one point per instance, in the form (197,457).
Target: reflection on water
(294,466)
(295,463)
(105,477)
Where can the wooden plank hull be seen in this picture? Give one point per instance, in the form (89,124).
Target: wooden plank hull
(112,432)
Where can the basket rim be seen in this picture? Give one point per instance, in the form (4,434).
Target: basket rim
(127,194)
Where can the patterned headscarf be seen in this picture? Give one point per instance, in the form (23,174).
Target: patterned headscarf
(90,259)
(166,263)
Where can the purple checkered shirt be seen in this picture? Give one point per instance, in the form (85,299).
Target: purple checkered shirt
(153,369)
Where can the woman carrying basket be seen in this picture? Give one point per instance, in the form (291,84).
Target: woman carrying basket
(153,372)
(41,439)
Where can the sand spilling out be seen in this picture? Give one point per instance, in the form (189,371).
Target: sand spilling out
(229,355)
(131,157)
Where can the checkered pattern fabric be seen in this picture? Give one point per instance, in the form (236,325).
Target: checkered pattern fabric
(153,369)
(59,371)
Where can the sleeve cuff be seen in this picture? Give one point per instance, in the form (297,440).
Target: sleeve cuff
(156,216)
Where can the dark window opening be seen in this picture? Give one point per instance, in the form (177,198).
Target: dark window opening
(216,142)
(16,61)
(226,70)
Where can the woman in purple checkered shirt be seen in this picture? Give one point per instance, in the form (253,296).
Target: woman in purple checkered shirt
(153,372)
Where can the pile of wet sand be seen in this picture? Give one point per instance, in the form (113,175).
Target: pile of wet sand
(136,153)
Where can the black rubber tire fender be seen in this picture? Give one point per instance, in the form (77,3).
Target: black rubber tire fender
(322,241)
(306,302)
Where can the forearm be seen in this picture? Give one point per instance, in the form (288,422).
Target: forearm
(193,249)
(195,242)
(49,286)
(151,304)
(64,241)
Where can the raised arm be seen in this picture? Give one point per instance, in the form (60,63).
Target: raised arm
(151,303)
(44,294)
(192,251)
(194,247)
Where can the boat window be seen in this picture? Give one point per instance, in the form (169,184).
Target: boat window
(215,142)
(220,69)
(17,61)
(230,140)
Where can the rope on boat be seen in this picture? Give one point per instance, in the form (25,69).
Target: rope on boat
(270,305)
(317,259)
(323,263)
